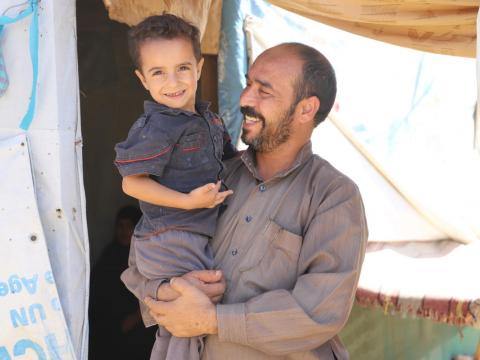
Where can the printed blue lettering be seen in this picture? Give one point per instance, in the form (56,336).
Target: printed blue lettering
(21,347)
(31,284)
(4,354)
(56,304)
(54,349)
(3,291)
(16,317)
(49,277)
(14,284)
(40,311)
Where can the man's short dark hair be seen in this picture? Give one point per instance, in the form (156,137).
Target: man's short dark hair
(317,79)
(166,26)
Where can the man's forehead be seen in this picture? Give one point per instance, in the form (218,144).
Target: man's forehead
(269,68)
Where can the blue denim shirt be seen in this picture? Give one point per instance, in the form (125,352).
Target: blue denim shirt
(182,151)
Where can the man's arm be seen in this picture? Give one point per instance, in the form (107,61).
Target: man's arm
(210,282)
(280,322)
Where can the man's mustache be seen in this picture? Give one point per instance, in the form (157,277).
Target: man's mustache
(250,111)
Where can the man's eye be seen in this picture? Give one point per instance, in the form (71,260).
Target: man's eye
(158,72)
(184,68)
(263,92)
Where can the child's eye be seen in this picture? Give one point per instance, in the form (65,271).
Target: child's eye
(184,68)
(158,72)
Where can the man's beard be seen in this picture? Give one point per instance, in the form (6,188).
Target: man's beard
(270,136)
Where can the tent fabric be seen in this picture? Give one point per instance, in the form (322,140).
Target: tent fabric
(55,145)
(440,26)
(30,309)
(205,15)
(399,130)
(428,280)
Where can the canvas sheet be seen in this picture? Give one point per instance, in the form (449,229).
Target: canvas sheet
(410,124)
(55,147)
(31,316)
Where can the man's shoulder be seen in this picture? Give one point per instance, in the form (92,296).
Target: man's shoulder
(325,174)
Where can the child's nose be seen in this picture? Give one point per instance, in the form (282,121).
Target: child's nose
(172,78)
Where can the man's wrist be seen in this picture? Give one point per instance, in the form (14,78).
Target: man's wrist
(212,321)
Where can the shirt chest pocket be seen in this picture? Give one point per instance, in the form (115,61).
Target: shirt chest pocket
(271,262)
(190,150)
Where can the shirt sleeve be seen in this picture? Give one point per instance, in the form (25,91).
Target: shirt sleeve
(146,150)
(281,322)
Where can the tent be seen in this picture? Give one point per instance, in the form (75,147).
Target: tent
(45,261)
(44,257)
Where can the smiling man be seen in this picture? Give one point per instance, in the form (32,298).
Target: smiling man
(292,239)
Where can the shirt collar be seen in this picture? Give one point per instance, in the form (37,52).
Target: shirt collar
(151,107)
(248,158)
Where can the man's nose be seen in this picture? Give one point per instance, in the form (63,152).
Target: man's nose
(247,97)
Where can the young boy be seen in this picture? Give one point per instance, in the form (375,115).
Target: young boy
(171,162)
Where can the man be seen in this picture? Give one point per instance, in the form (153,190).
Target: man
(292,238)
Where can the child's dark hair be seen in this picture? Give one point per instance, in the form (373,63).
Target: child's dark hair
(166,26)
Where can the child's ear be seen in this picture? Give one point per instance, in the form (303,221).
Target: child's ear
(199,68)
(142,78)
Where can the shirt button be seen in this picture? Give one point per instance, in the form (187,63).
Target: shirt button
(248,218)
(262,187)
(234,252)
(215,137)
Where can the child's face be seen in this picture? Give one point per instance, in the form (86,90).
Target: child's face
(169,71)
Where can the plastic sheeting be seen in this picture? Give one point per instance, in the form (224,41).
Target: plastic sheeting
(413,127)
(55,147)
(31,314)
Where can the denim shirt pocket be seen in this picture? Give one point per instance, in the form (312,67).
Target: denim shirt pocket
(190,151)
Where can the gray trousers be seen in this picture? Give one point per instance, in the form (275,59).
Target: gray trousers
(166,255)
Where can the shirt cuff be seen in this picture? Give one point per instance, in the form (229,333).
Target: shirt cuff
(152,286)
(232,324)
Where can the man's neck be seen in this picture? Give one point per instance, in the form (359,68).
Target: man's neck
(271,163)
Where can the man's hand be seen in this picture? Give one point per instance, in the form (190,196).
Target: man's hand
(210,282)
(191,314)
(207,196)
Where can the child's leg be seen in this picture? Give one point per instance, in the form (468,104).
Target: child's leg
(172,253)
(169,254)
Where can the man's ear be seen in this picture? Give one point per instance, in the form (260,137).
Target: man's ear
(308,108)
(142,78)
(199,68)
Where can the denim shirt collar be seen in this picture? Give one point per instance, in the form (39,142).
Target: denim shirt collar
(151,107)
(248,158)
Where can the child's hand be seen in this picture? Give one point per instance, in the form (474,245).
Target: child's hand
(207,196)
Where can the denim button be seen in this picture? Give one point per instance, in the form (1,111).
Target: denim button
(234,252)
(262,188)
(248,218)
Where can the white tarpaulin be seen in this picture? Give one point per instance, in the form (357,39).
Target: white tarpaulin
(409,130)
(31,317)
(55,149)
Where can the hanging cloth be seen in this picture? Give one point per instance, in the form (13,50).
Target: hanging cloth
(3,72)
(32,9)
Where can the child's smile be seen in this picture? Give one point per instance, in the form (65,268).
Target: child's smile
(169,71)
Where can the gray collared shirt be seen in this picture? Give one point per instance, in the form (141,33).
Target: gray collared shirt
(291,249)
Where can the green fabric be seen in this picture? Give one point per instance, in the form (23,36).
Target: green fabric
(371,335)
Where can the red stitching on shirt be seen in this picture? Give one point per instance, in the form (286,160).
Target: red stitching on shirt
(195,148)
(163,152)
(165,229)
